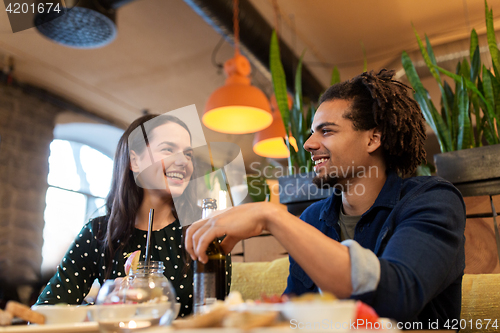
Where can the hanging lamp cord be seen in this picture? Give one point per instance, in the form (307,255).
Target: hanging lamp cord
(236,26)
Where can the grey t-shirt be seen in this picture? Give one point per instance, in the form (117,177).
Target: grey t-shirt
(347,225)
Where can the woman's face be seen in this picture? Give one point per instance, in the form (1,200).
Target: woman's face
(172,165)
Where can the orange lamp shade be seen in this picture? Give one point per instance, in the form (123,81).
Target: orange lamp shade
(237,107)
(270,141)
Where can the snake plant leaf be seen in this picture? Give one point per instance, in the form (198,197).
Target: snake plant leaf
(487,87)
(298,83)
(455,111)
(474,44)
(335,76)
(489,111)
(464,126)
(312,112)
(279,79)
(415,82)
(365,61)
(426,56)
(298,117)
(297,129)
(492,42)
(489,95)
(475,65)
(294,121)
(430,51)
(293,159)
(300,142)
(496,95)
(457,69)
(449,94)
(476,110)
(448,98)
(429,111)
(465,69)
(489,135)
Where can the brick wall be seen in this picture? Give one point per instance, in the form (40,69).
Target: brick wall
(26,130)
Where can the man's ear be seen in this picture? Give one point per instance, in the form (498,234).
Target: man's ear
(375,140)
(133,162)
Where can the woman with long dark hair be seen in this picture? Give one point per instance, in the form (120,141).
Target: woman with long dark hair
(153,166)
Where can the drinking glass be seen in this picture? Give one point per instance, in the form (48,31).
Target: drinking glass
(144,299)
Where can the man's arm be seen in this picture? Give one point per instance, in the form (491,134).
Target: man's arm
(307,245)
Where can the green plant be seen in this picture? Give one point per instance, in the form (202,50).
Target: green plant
(298,119)
(476,94)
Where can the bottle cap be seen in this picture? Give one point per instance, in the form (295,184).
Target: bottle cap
(209,203)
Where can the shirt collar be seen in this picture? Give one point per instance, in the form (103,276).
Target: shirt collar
(388,197)
(391,191)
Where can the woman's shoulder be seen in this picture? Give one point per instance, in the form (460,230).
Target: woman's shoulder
(98,225)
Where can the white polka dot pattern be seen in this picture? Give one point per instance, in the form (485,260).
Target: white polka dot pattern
(86,261)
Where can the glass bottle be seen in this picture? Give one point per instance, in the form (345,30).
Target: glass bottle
(209,279)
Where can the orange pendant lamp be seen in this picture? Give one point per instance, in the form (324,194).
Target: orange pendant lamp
(270,141)
(237,107)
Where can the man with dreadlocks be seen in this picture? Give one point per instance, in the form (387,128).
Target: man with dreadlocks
(393,241)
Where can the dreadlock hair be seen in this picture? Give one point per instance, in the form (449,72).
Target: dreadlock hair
(378,101)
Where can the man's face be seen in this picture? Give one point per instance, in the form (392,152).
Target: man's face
(338,151)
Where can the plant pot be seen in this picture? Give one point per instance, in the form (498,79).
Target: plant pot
(297,192)
(474,171)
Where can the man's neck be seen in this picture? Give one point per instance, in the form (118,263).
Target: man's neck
(361,193)
(163,214)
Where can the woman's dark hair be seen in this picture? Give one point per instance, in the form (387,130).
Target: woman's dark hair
(125,196)
(380,102)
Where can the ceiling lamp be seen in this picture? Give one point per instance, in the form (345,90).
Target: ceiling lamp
(237,107)
(83,24)
(270,142)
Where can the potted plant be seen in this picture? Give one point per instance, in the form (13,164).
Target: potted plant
(296,188)
(470,155)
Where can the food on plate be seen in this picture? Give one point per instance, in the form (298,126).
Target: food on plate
(234,298)
(212,318)
(366,317)
(25,313)
(273,299)
(5,318)
(247,320)
(132,261)
(234,313)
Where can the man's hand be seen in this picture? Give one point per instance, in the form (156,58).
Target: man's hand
(236,223)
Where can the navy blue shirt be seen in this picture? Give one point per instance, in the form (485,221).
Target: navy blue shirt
(416,229)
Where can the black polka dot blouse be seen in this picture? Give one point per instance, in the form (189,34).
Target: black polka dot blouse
(85,261)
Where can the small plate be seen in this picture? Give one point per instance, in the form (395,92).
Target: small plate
(85,327)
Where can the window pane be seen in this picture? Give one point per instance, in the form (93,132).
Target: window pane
(96,207)
(62,166)
(64,217)
(98,170)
